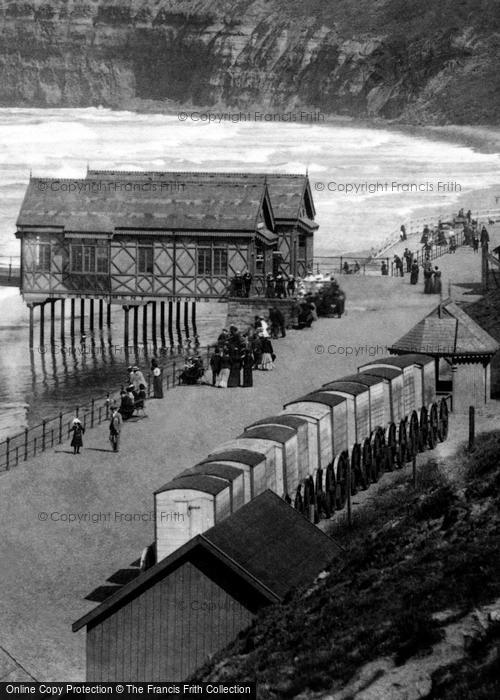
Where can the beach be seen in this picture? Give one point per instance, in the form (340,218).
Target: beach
(51,564)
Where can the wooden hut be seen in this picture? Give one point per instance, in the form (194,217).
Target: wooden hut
(168,620)
(460,352)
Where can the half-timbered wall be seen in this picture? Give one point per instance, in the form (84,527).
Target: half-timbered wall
(166,632)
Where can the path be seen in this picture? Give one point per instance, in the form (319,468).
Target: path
(48,566)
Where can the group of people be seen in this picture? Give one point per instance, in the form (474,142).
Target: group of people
(237,355)
(348,270)
(278,286)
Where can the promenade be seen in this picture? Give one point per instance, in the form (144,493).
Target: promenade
(49,565)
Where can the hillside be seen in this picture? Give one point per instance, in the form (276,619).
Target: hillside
(413,611)
(432,61)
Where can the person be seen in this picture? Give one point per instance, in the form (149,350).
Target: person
(215,365)
(137,378)
(305,317)
(398,263)
(384,270)
(290,286)
(269,286)
(268,355)
(157,379)
(408,256)
(234,340)
(140,401)
(248,362)
(414,272)
(427,279)
(235,368)
(280,286)
(357,267)
(247,282)
(257,351)
(314,311)
(475,242)
(436,282)
(76,441)
(469,216)
(238,284)
(403,232)
(277,321)
(225,368)
(127,404)
(115,427)
(453,244)
(223,337)
(346,269)
(485,237)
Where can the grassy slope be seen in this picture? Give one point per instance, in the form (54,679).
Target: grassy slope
(410,557)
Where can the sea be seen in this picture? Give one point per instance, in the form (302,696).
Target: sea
(365,183)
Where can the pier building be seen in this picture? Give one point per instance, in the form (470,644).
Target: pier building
(136,240)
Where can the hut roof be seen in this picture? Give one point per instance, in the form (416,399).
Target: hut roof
(287,191)
(84,206)
(223,471)
(385,372)
(289,421)
(447,331)
(266,543)
(250,457)
(198,482)
(278,433)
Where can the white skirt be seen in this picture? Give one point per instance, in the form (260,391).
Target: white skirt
(267,361)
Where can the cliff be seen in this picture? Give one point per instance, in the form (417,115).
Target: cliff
(432,61)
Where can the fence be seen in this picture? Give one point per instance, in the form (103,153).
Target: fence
(54,431)
(10,269)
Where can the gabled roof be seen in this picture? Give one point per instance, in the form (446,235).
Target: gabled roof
(250,457)
(287,191)
(290,421)
(267,543)
(88,206)
(447,331)
(354,388)
(406,360)
(367,380)
(278,433)
(223,471)
(196,482)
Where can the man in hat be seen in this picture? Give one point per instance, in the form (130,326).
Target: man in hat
(115,427)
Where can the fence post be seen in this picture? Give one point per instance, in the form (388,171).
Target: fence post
(60,427)
(107,405)
(100,415)
(7,453)
(349,508)
(149,385)
(173,374)
(92,413)
(44,422)
(472,422)
(34,446)
(52,437)
(25,444)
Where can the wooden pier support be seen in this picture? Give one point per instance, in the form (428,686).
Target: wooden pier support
(186,319)
(82,317)
(63,303)
(193,318)
(101,314)
(135,325)
(153,321)
(145,324)
(170,323)
(162,323)
(108,314)
(52,320)
(42,325)
(91,316)
(178,322)
(126,309)
(72,322)
(31,341)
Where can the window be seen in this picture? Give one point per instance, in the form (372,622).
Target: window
(43,257)
(90,258)
(212,261)
(204,266)
(220,262)
(145,261)
(302,248)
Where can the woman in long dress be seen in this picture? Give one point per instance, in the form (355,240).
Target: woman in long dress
(437,285)
(77,440)
(235,369)
(427,280)
(225,368)
(267,355)
(414,273)
(248,360)
(157,379)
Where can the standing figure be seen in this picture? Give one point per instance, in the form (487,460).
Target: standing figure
(414,273)
(408,256)
(398,263)
(76,441)
(384,270)
(225,368)
(247,282)
(137,378)
(115,427)
(248,361)
(257,351)
(269,286)
(436,282)
(277,321)
(403,232)
(215,365)
(475,242)
(280,286)
(268,355)
(235,368)
(157,379)
(290,286)
(427,279)
(485,237)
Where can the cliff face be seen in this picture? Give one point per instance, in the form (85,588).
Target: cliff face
(356,58)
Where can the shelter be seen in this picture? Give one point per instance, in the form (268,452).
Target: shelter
(165,622)
(462,351)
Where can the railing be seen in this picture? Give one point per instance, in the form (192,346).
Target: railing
(336,264)
(54,431)
(416,226)
(10,268)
